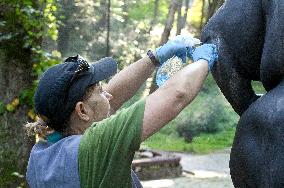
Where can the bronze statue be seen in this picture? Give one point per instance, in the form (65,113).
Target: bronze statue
(250,39)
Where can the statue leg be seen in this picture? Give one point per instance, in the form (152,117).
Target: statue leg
(257,155)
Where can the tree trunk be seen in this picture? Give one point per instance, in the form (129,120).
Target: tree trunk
(156,11)
(213,5)
(125,12)
(101,24)
(185,13)
(108,28)
(182,19)
(179,18)
(169,22)
(15,75)
(66,27)
(202,15)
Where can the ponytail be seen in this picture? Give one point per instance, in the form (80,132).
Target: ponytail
(38,129)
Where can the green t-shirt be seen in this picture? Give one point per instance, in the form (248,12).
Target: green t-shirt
(107,149)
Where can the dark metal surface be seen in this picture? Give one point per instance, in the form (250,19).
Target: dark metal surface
(250,39)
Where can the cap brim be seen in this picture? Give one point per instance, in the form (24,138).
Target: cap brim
(103,69)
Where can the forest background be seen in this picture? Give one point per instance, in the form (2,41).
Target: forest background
(35,35)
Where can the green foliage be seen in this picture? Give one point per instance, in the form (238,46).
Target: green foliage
(10,174)
(10,108)
(36,19)
(128,52)
(204,143)
(30,22)
(46,60)
(206,116)
(144,11)
(26,96)
(26,24)
(129,29)
(7,177)
(165,142)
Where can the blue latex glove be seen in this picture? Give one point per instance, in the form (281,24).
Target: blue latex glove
(207,52)
(180,46)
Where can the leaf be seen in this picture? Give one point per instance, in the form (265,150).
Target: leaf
(26,96)
(2,23)
(56,53)
(15,102)
(10,108)
(17,174)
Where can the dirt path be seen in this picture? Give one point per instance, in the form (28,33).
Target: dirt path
(201,171)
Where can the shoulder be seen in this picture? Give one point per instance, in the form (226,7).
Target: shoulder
(43,147)
(51,158)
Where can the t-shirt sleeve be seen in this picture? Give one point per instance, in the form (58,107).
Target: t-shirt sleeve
(107,148)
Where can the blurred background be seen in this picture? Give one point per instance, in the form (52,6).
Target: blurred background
(35,35)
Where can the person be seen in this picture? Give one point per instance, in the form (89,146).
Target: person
(84,141)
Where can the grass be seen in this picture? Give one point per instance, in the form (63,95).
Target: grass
(205,143)
(258,87)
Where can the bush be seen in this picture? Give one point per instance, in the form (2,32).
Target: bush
(208,113)
(209,116)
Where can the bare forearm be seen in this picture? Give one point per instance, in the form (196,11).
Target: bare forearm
(126,83)
(168,101)
(189,81)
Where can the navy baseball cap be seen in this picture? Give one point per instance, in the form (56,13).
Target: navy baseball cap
(63,85)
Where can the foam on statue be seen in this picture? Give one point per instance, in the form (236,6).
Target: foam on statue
(250,39)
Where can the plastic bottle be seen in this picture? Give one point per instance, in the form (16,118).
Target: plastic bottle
(174,64)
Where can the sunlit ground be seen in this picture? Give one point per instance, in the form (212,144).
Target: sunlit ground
(206,174)
(196,179)
(158,183)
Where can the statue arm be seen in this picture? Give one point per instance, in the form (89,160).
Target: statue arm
(236,88)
